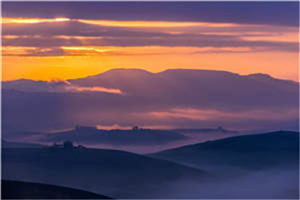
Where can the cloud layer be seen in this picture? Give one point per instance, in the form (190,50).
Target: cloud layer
(49,37)
(272,13)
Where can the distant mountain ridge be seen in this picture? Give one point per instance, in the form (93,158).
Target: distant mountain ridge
(163,99)
(204,130)
(10,144)
(135,139)
(133,78)
(123,74)
(138,136)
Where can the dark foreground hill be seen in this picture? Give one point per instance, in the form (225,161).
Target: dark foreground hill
(26,190)
(109,172)
(253,152)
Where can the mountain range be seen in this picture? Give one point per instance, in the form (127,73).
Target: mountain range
(175,98)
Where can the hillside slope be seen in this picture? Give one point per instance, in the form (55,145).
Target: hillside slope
(250,151)
(26,190)
(109,172)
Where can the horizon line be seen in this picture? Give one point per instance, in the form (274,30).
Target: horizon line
(148,71)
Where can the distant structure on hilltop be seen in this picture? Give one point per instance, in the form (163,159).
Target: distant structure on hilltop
(85,128)
(204,130)
(66,145)
(221,129)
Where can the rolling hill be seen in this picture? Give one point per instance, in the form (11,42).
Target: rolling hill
(262,166)
(10,144)
(109,172)
(249,152)
(26,190)
(253,166)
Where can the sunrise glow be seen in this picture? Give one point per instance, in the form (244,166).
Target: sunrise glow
(63,44)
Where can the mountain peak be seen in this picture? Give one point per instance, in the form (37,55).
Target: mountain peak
(124,71)
(198,72)
(260,76)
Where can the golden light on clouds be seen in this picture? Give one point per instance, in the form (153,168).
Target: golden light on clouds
(67,54)
(93,89)
(153,24)
(31,20)
(81,48)
(61,19)
(206,114)
(131,24)
(12,50)
(284,37)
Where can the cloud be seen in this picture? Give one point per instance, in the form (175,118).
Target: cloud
(92,89)
(203,115)
(272,13)
(57,39)
(153,24)
(55,86)
(34,51)
(92,46)
(72,28)
(31,21)
(114,126)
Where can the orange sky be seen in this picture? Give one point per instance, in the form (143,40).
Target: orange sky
(83,58)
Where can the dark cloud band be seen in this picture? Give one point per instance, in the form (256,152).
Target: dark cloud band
(273,13)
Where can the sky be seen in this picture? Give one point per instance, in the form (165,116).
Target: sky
(64,40)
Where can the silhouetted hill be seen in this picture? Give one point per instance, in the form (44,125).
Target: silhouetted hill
(9,144)
(109,172)
(27,190)
(206,130)
(116,136)
(259,151)
(262,166)
(186,81)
